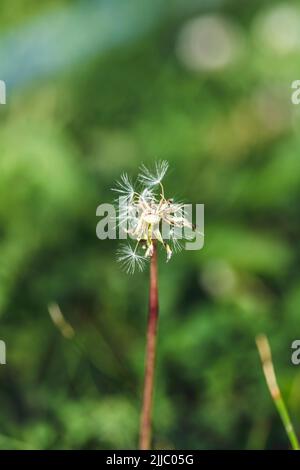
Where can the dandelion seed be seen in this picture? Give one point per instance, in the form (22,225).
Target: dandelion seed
(149,251)
(147,195)
(130,259)
(176,243)
(169,252)
(153,178)
(147,216)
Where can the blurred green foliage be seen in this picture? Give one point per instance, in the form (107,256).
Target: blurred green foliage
(231,137)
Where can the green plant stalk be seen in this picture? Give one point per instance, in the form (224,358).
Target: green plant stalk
(286,420)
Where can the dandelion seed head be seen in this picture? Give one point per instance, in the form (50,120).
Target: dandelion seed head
(130,259)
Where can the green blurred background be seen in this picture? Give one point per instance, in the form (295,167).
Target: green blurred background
(95,89)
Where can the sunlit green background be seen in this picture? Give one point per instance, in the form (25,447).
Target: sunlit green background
(95,89)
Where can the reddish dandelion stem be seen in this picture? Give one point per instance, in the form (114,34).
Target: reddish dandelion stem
(146,415)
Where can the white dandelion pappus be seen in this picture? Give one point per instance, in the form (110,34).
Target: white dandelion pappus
(130,259)
(176,243)
(146,215)
(125,187)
